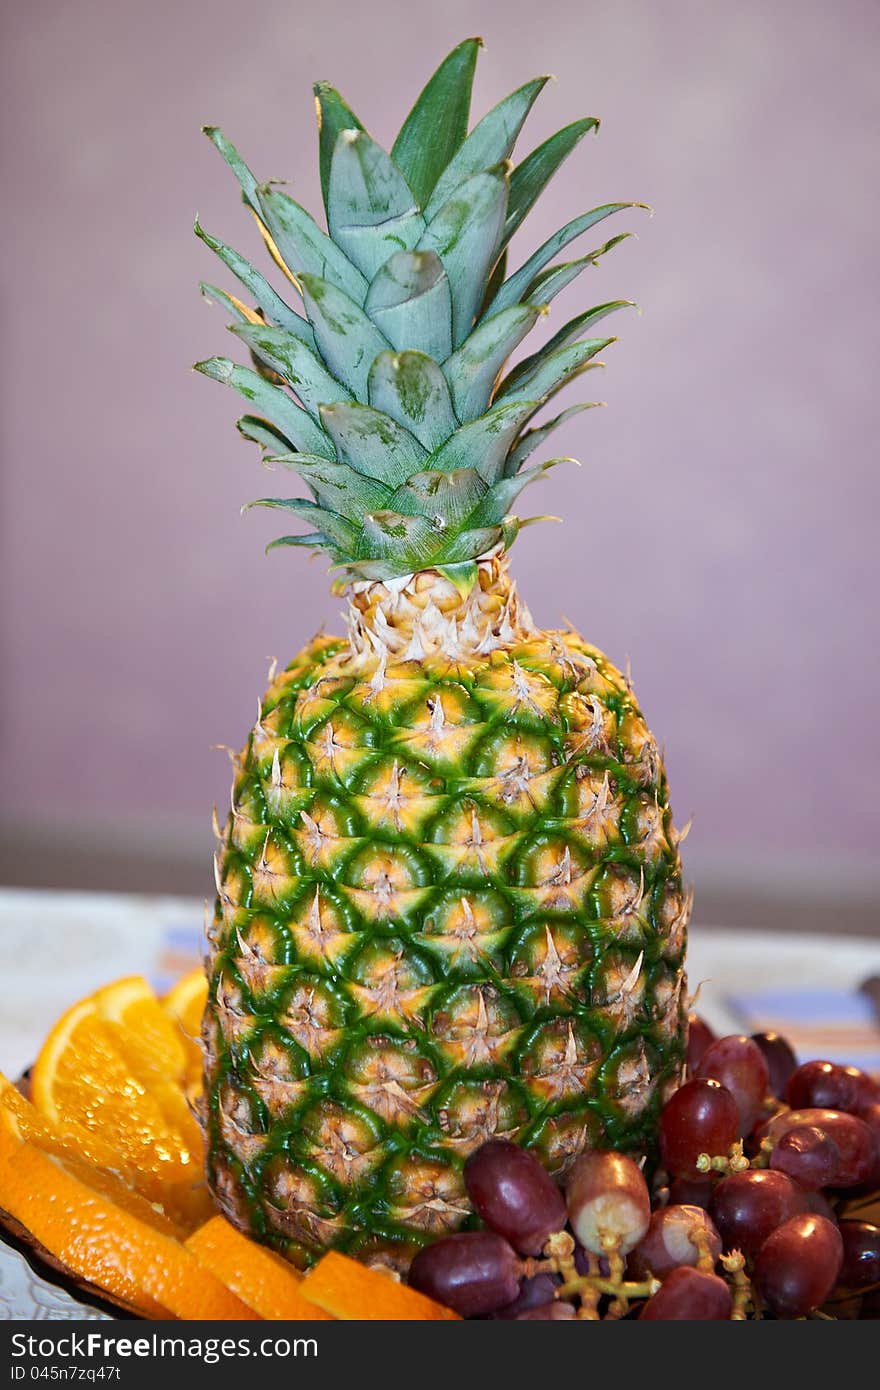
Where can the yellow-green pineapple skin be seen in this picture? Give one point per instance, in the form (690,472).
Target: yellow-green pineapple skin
(450,906)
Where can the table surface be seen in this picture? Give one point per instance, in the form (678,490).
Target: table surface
(56,947)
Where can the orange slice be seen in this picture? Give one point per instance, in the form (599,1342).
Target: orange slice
(355,1293)
(101,1070)
(80,1152)
(265,1281)
(103,1243)
(185,1004)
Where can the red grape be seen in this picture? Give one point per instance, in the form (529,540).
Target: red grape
(808,1155)
(870,1114)
(700,1117)
(534,1292)
(689,1295)
(739,1064)
(669,1242)
(780,1058)
(514,1195)
(747,1206)
(691,1192)
(473,1272)
(861,1255)
(825,1085)
(608,1202)
(587,1263)
(851,1135)
(557,1311)
(819,1205)
(797,1266)
(699,1037)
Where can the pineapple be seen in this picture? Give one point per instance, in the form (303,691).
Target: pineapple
(449,894)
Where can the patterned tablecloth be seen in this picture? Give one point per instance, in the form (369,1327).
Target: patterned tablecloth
(57,947)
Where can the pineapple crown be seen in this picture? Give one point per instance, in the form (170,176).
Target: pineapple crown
(389,394)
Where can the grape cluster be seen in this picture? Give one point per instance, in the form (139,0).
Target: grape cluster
(755,1211)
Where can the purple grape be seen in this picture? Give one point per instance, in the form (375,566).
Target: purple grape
(797,1266)
(473,1272)
(746,1207)
(819,1205)
(557,1311)
(780,1058)
(853,1137)
(700,1117)
(689,1295)
(861,1255)
(608,1202)
(699,1037)
(739,1064)
(692,1192)
(827,1086)
(669,1242)
(514,1195)
(807,1155)
(534,1292)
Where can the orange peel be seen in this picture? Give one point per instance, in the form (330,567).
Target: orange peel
(259,1277)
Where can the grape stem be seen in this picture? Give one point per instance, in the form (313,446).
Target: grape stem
(735,1265)
(623,1289)
(733,1162)
(700,1241)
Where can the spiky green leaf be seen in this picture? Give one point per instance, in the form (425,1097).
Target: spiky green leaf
(551,374)
(236,308)
(406,542)
(447,499)
(348,341)
(436,126)
(552,281)
(472,370)
(411,388)
(331,525)
(272,305)
(514,289)
(304,248)
(301,368)
(258,431)
(334,116)
(410,301)
(505,491)
(337,486)
(373,442)
(466,233)
(467,545)
(493,284)
(569,333)
(530,178)
(371,212)
(533,439)
(490,142)
(293,422)
(229,153)
(311,540)
(482,444)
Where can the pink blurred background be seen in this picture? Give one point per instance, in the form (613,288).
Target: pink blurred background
(722,534)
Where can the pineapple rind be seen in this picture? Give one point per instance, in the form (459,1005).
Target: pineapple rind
(435,927)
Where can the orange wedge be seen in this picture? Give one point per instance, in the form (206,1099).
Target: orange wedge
(103,1243)
(81,1153)
(265,1281)
(185,1004)
(113,1065)
(355,1293)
